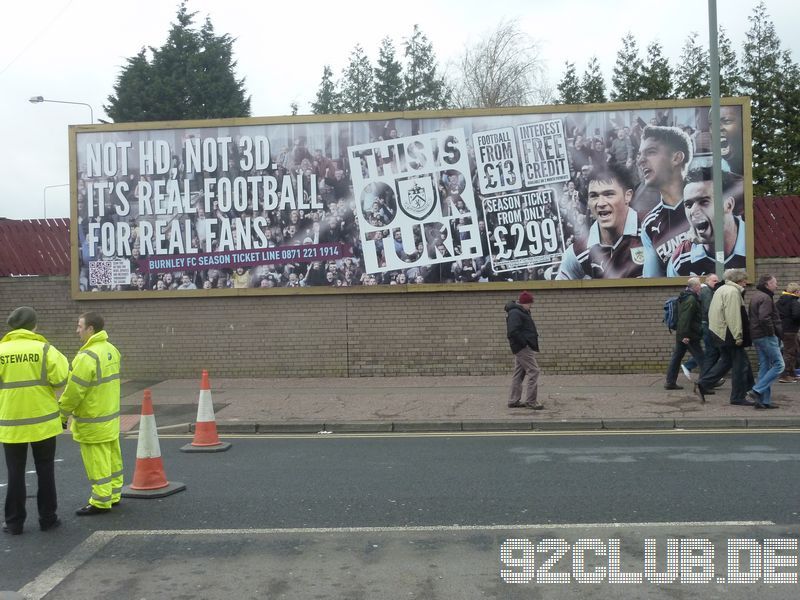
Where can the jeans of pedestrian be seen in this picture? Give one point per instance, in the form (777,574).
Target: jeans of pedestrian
(733,359)
(694,348)
(770,366)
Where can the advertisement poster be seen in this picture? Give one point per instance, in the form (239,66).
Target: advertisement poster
(448,199)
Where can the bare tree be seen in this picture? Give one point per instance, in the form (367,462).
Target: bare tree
(504,68)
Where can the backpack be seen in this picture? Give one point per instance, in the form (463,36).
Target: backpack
(671,313)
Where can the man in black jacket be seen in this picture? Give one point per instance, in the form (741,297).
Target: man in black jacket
(688,332)
(524,341)
(789,309)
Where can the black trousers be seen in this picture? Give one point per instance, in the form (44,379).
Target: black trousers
(44,453)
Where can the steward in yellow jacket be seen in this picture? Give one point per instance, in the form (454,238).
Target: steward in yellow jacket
(92,400)
(30,370)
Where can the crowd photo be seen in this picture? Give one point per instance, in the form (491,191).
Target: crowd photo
(635,199)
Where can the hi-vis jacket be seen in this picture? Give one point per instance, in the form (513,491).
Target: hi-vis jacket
(92,393)
(29,370)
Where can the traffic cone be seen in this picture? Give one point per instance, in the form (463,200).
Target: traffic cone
(205,429)
(149,479)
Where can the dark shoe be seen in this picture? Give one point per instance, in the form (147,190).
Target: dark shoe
(50,525)
(753,397)
(700,393)
(12,530)
(672,386)
(758,405)
(535,406)
(787,379)
(91,509)
(720,382)
(516,405)
(743,403)
(770,405)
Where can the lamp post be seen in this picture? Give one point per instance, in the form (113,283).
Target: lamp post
(38,99)
(44,195)
(716,151)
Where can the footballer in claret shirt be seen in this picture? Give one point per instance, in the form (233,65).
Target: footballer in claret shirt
(695,256)
(664,156)
(612,249)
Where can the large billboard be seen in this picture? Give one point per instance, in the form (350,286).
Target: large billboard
(617,193)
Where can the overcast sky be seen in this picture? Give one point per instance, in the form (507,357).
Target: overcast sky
(73,50)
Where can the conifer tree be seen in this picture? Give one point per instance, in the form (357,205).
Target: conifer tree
(593,83)
(424,89)
(192,76)
(388,79)
(763,80)
(327,102)
(657,74)
(569,88)
(627,80)
(691,74)
(730,73)
(357,87)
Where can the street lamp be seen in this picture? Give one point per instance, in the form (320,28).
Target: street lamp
(44,195)
(38,99)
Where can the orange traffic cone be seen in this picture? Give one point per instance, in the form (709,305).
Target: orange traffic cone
(149,480)
(206,438)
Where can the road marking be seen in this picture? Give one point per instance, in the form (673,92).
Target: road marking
(424,528)
(55,574)
(416,434)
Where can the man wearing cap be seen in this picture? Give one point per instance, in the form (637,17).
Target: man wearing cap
(30,370)
(524,341)
(92,399)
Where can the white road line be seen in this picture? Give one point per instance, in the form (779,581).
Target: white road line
(416,434)
(423,528)
(56,573)
(51,577)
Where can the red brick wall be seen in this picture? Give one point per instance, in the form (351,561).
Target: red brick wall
(600,330)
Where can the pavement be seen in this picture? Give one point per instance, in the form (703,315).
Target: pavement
(452,403)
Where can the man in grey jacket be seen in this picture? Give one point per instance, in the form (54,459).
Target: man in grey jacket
(524,341)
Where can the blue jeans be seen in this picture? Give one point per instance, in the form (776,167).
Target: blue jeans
(770,366)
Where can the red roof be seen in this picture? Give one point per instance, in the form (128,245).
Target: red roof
(41,246)
(777,226)
(34,247)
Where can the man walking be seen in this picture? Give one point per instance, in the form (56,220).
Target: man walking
(765,329)
(30,370)
(92,399)
(710,350)
(524,341)
(688,332)
(789,309)
(730,331)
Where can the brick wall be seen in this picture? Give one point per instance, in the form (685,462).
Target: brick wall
(600,330)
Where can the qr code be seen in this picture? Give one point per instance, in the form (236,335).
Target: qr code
(101,272)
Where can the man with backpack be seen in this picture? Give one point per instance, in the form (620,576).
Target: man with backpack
(688,331)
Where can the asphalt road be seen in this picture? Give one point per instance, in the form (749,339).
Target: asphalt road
(411,516)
